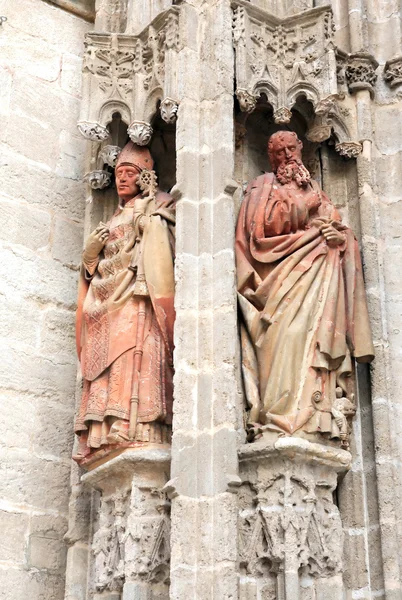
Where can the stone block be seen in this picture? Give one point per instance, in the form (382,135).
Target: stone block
(356,574)
(35,140)
(388,129)
(44,62)
(186,339)
(204,282)
(36,375)
(14,528)
(226,583)
(45,23)
(18,413)
(57,334)
(26,313)
(351,493)
(224,291)
(44,280)
(16,584)
(35,184)
(186,273)
(225,335)
(34,482)
(185,402)
(29,95)
(24,224)
(67,242)
(54,427)
(5,91)
(70,76)
(46,553)
(224,389)
(387,169)
(71,156)
(76,573)
(79,514)
(375,556)
(187,228)
(223,226)
(214,453)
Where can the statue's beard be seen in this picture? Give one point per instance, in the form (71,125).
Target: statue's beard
(293,170)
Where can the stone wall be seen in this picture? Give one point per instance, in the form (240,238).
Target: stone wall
(42,205)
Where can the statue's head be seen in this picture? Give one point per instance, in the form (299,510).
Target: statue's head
(132,160)
(284,152)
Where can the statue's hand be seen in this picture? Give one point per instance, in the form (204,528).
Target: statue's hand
(332,236)
(96,241)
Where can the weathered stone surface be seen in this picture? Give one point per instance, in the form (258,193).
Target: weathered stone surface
(25,225)
(29,481)
(14,527)
(67,242)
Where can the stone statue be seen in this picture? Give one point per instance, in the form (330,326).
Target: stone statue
(302,302)
(125,317)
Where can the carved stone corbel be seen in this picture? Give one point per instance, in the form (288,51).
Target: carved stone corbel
(393,71)
(130,548)
(109,155)
(169,108)
(95,132)
(140,133)
(289,525)
(99,179)
(349,149)
(246,100)
(282,115)
(360,72)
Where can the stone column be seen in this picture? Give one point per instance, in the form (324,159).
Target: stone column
(204,457)
(130,544)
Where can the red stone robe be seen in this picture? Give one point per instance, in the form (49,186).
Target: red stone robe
(302,304)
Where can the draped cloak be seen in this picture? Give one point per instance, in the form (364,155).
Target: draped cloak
(302,307)
(107,319)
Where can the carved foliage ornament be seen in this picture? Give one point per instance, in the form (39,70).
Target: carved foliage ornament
(169,110)
(360,72)
(93,131)
(112,66)
(393,71)
(129,545)
(98,180)
(109,155)
(283,57)
(140,133)
(349,149)
(289,516)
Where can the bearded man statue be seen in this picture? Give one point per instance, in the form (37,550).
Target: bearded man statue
(302,302)
(125,317)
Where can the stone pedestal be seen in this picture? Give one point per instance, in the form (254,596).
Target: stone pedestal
(130,547)
(290,530)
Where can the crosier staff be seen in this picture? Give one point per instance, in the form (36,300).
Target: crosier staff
(148,183)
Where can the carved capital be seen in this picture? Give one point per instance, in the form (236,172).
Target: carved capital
(93,131)
(349,149)
(109,155)
(140,133)
(393,71)
(169,110)
(246,100)
(98,180)
(282,115)
(360,72)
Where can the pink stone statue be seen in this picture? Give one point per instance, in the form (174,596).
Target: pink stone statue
(125,317)
(302,302)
